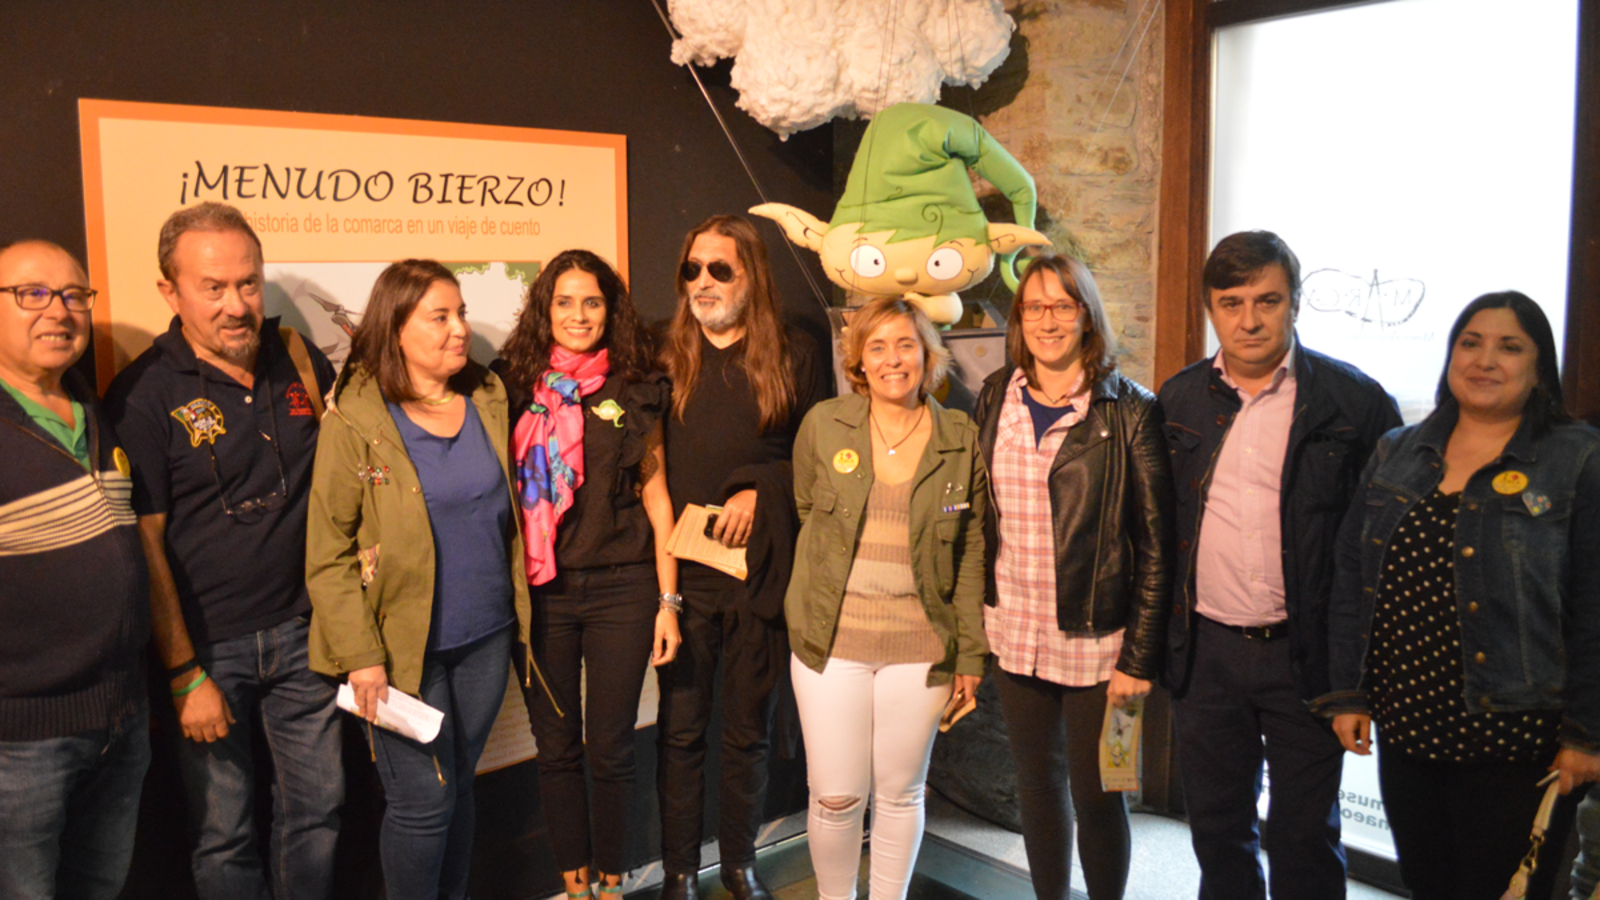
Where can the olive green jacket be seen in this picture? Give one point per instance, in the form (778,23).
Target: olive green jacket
(950,491)
(369,547)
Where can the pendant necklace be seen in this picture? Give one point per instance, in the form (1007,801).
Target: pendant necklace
(885,438)
(1056,401)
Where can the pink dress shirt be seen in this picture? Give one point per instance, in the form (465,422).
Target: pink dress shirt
(1022,627)
(1239,566)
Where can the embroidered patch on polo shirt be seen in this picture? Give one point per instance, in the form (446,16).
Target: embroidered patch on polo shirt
(299,400)
(203,419)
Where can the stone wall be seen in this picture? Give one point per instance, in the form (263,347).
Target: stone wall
(1084,116)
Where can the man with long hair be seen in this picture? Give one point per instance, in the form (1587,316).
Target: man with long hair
(742,381)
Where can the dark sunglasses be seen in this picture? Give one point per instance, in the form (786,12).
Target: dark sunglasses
(721,271)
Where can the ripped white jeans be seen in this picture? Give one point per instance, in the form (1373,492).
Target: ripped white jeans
(869,730)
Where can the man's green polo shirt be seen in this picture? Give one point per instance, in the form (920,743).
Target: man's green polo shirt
(74,437)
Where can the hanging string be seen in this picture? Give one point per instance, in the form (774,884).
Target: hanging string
(816,290)
(1152,6)
(892,18)
(972,113)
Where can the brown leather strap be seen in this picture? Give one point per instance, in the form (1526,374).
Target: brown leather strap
(302,364)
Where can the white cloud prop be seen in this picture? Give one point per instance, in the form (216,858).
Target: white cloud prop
(799,63)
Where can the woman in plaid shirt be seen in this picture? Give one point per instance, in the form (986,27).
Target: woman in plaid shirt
(1079,537)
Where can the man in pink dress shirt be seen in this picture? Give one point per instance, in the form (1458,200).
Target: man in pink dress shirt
(1268,439)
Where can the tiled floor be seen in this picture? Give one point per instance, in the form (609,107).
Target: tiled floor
(1163,866)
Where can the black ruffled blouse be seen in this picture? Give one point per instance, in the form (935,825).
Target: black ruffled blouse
(607,525)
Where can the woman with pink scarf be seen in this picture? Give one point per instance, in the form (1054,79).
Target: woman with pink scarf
(586,445)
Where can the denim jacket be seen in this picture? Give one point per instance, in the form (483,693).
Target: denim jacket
(1527,571)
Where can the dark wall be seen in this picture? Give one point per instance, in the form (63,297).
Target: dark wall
(533,63)
(554,64)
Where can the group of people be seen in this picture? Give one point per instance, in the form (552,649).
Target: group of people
(1263,538)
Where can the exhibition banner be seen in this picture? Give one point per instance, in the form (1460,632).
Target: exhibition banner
(336,198)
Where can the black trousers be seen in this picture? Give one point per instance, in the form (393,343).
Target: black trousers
(1241,709)
(717,628)
(1055,740)
(599,621)
(1460,830)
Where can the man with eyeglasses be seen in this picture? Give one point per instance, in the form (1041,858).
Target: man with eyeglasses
(220,419)
(742,381)
(1267,439)
(74,594)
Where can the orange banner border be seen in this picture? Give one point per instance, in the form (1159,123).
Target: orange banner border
(91,112)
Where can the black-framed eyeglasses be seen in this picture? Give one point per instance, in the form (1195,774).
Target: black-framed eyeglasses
(721,271)
(37,297)
(1064,311)
(253,510)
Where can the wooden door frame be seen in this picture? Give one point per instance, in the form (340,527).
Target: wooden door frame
(1182,244)
(1185,188)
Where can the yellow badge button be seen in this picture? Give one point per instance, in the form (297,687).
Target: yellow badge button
(120,459)
(1510,482)
(845,461)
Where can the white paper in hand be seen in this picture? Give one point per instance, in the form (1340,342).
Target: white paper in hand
(401,713)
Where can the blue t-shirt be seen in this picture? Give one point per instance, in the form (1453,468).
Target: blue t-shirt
(1043,416)
(469,512)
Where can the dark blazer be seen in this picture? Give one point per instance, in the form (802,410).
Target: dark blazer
(1339,414)
(1112,508)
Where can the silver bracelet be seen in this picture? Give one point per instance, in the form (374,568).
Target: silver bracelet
(673,602)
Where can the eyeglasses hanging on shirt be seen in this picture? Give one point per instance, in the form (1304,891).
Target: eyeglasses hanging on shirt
(253,510)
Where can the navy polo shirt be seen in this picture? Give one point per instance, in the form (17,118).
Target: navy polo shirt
(202,444)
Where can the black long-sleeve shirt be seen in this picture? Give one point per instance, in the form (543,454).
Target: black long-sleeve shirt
(720,432)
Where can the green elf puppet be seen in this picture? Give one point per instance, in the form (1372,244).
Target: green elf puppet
(909,223)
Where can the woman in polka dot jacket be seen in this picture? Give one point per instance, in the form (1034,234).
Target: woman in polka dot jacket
(1465,617)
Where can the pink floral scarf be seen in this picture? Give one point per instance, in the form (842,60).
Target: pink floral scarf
(548,447)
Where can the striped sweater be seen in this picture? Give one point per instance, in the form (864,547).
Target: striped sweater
(74,590)
(881,619)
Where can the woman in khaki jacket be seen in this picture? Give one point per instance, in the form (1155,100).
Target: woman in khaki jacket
(414,561)
(885,607)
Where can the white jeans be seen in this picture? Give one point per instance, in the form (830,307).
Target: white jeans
(868,728)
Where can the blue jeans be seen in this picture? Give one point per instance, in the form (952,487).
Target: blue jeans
(426,840)
(267,680)
(1586,868)
(68,807)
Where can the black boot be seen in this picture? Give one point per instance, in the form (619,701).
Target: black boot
(680,887)
(744,883)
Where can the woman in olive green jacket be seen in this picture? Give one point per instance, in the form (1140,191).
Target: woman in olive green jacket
(885,607)
(414,561)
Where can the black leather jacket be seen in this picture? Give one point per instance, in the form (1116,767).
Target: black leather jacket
(1112,505)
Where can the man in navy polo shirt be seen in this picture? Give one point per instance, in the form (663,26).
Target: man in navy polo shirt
(219,420)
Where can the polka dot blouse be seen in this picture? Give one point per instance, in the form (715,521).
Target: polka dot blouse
(1414,666)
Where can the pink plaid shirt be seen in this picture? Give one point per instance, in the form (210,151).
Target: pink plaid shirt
(1022,627)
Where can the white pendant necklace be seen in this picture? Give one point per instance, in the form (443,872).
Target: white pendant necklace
(885,438)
